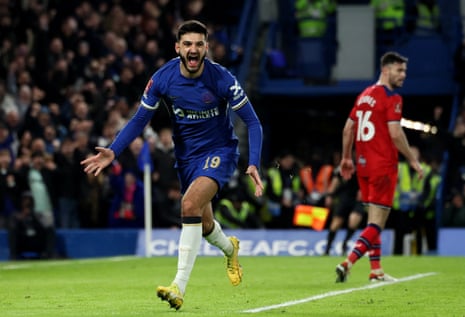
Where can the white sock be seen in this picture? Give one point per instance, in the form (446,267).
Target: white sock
(219,239)
(189,245)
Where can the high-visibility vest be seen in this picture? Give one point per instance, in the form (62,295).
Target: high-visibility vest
(434,181)
(276,182)
(311,17)
(390,13)
(427,19)
(403,183)
(241,214)
(322,178)
(407,183)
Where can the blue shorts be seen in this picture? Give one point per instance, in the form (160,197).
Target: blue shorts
(219,166)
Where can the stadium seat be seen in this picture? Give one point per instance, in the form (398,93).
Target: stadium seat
(435,59)
(312,60)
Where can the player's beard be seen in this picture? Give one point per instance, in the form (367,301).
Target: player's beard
(192,70)
(395,84)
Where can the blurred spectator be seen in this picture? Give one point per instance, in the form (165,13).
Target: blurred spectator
(152,55)
(129,158)
(68,191)
(24,147)
(127,206)
(407,199)
(427,15)
(311,17)
(454,211)
(390,22)
(40,179)
(7,102)
(27,237)
(125,86)
(284,189)
(234,212)
(316,176)
(6,140)
(38,145)
(31,118)
(166,187)
(425,215)
(24,100)
(9,187)
(140,74)
(52,142)
(93,204)
(118,58)
(80,118)
(226,56)
(81,59)
(193,10)
(456,146)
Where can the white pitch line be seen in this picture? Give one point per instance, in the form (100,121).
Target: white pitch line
(335,293)
(47,263)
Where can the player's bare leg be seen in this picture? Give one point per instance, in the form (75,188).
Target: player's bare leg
(194,202)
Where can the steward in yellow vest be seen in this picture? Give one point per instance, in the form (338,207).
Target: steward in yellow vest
(234,213)
(311,17)
(424,217)
(427,21)
(389,13)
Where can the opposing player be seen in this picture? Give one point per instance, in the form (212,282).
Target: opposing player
(200,96)
(374,126)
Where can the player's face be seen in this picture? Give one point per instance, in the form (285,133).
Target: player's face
(397,74)
(192,48)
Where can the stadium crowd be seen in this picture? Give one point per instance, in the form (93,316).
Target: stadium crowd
(71,75)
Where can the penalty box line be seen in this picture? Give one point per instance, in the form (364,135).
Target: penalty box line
(336,293)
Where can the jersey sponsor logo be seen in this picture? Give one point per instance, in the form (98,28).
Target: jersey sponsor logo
(179,113)
(204,114)
(196,115)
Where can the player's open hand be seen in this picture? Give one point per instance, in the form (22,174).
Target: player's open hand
(252,171)
(347,168)
(96,163)
(417,167)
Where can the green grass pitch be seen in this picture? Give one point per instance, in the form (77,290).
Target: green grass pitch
(272,286)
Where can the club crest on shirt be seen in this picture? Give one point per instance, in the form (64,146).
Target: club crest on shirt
(207,97)
(398,108)
(147,87)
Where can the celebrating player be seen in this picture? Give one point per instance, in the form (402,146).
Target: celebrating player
(374,126)
(200,95)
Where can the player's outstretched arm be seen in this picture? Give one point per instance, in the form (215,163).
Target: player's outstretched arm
(96,163)
(252,171)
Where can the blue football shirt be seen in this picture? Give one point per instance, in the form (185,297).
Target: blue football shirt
(200,108)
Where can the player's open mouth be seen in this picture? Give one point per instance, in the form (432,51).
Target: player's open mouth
(192,61)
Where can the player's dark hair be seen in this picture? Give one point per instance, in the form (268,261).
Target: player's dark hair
(391,58)
(192,26)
